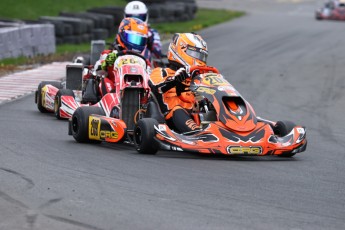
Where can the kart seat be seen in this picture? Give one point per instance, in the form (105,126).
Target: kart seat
(153,110)
(90,94)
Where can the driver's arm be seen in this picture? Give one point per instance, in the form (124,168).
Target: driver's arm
(109,60)
(160,81)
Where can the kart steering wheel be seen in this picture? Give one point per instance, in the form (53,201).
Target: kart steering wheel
(197,70)
(131,52)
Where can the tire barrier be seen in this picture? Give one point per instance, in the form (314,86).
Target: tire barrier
(94,24)
(170,10)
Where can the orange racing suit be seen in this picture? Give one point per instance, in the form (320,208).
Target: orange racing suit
(175,99)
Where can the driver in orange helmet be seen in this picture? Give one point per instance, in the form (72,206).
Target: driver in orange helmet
(171,85)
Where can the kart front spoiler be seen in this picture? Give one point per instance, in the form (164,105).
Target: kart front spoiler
(214,143)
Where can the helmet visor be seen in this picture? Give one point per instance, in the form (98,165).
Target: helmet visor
(197,53)
(135,39)
(142,17)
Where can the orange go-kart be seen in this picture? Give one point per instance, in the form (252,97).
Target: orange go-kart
(228,124)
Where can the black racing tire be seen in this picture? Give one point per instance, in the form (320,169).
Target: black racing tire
(99,34)
(57,101)
(317,17)
(38,97)
(144,133)
(282,128)
(80,123)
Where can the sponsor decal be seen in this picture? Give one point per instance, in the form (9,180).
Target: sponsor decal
(133,70)
(191,124)
(94,127)
(188,142)
(43,94)
(95,132)
(191,48)
(206,90)
(203,51)
(214,79)
(108,86)
(108,134)
(126,61)
(251,150)
(174,148)
(113,123)
(225,88)
(162,127)
(300,130)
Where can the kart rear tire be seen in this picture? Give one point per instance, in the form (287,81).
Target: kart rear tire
(318,16)
(38,97)
(57,101)
(283,128)
(80,123)
(144,133)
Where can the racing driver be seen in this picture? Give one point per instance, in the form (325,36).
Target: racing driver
(132,35)
(171,85)
(137,9)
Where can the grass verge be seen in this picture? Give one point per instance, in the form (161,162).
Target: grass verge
(33,9)
(203,19)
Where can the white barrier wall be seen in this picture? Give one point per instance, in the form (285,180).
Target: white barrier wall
(26,40)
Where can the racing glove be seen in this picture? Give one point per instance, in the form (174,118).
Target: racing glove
(109,60)
(181,75)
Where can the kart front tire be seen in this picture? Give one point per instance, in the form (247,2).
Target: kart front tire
(80,123)
(144,133)
(57,101)
(283,128)
(38,97)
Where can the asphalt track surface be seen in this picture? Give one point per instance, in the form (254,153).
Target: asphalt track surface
(286,64)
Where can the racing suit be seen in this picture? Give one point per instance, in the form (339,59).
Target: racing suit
(174,98)
(154,45)
(107,65)
(102,67)
(153,48)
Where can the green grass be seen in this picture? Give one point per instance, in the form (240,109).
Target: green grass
(33,9)
(203,19)
(13,61)
(73,48)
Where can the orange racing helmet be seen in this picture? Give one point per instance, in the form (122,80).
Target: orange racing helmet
(188,49)
(132,34)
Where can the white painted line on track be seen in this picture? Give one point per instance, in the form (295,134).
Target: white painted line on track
(18,84)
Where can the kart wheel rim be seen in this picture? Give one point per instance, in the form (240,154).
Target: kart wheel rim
(75,126)
(137,136)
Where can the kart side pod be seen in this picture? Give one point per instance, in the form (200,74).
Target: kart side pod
(87,126)
(101,128)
